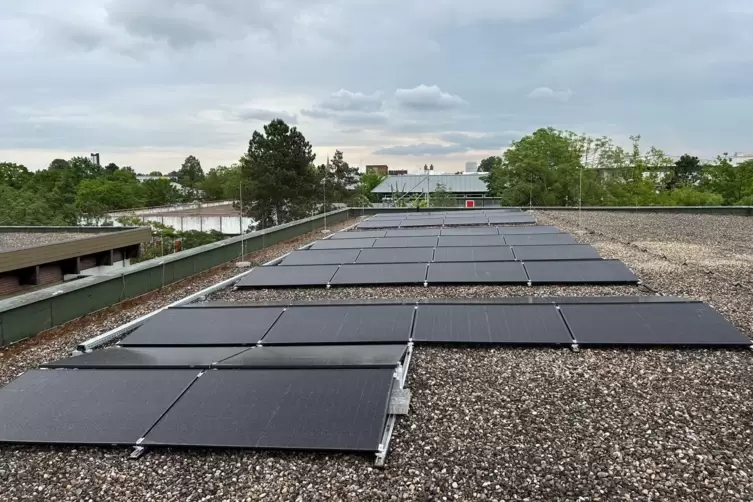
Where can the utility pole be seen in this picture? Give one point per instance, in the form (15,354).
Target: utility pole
(240,220)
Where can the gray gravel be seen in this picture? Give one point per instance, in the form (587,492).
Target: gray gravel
(11,241)
(489,424)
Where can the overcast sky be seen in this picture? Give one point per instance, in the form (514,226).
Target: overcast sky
(397,82)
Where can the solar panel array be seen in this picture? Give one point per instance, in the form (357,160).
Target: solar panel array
(448,219)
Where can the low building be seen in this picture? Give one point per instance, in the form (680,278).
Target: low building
(397,172)
(462,187)
(381,169)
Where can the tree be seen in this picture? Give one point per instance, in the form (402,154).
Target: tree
(279,182)
(213,184)
(440,197)
(368,182)
(120,190)
(344,178)
(111,167)
(14,175)
(489,163)
(191,173)
(159,192)
(685,172)
(58,165)
(155,173)
(733,183)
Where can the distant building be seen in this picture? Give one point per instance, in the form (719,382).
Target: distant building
(740,157)
(381,169)
(397,172)
(469,186)
(471,167)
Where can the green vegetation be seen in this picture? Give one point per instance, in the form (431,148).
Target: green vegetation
(555,168)
(166,240)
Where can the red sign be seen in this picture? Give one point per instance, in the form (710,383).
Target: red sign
(470,203)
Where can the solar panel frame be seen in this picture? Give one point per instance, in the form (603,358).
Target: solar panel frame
(342,325)
(379,223)
(204,327)
(560,252)
(465,221)
(538,239)
(506,272)
(317,356)
(396,255)
(506,324)
(343,244)
(528,229)
(417,232)
(421,222)
(119,357)
(406,242)
(373,274)
(88,407)
(512,219)
(455,232)
(470,240)
(358,234)
(473,254)
(580,272)
(651,324)
(320,257)
(289,276)
(301,409)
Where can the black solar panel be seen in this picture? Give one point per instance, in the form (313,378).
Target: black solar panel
(469,231)
(406,242)
(511,219)
(580,272)
(414,232)
(421,222)
(290,276)
(651,324)
(87,406)
(342,324)
(321,257)
(396,255)
(538,239)
(528,229)
(495,324)
(318,356)
(466,221)
(391,273)
(359,234)
(209,326)
(476,273)
(379,223)
(309,409)
(147,357)
(474,253)
(471,240)
(560,252)
(343,244)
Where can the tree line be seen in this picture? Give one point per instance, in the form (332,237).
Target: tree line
(560,168)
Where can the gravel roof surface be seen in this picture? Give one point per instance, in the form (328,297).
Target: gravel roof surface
(10,241)
(493,424)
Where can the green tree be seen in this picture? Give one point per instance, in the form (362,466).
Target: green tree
(213,184)
(440,197)
(733,183)
(14,175)
(58,165)
(191,173)
(155,173)
(159,192)
(489,163)
(111,167)
(685,172)
(368,182)
(343,177)
(95,197)
(279,182)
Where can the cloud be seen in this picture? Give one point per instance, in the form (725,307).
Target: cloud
(260,114)
(427,98)
(482,141)
(344,100)
(421,149)
(550,94)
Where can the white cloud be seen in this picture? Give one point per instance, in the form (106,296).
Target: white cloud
(550,94)
(427,98)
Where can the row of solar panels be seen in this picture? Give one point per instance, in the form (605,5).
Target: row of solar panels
(466,213)
(628,322)
(489,272)
(441,254)
(436,232)
(497,219)
(317,409)
(447,241)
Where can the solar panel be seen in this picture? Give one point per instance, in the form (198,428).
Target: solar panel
(466,221)
(390,273)
(580,272)
(418,232)
(475,273)
(87,406)
(358,234)
(495,324)
(471,240)
(304,409)
(560,252)
(390,216)
(290,276)
(396,255)
(469,231)
(342,324)
(425,215)
(539,239)
(651,324)
(424,222)
(511,219)
(210,326)
(321,257)
(343,244)
(318,356)
(147,357)
(474,253)
(528,229)
(406,242)
(379,223)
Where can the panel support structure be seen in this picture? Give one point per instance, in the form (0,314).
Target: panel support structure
(398,386)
